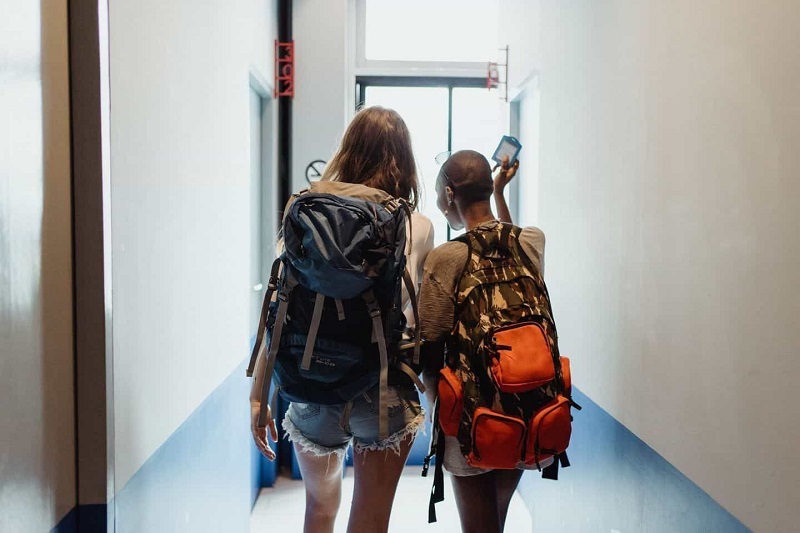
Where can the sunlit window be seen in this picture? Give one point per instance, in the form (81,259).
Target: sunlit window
(431,30)
(477,122)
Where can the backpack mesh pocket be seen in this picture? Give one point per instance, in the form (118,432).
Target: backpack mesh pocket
(497,440)
(549,431)
(521,358)
(451,401)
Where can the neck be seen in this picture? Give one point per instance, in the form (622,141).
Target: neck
(477,214)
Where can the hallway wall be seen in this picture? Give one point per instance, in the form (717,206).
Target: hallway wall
(180,187)
(324,86)
(668,195)
(37,419)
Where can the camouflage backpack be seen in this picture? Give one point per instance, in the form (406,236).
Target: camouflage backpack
(504,391)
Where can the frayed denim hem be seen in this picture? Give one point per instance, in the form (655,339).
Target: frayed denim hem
(295,435)
(393,441)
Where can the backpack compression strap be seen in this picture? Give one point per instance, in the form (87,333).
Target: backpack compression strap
(289,284)
(313,329)
(383,385)
(262,321)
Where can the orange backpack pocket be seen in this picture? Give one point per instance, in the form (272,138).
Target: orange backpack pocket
(549,432)
(566,374)
(451,401)
(497,440)
(522,359)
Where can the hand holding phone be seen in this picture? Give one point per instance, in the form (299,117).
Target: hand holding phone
(509,147)
(506,158)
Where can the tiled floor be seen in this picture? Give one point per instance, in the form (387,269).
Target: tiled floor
(280,508)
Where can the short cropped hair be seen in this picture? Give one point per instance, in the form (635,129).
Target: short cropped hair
(470,176)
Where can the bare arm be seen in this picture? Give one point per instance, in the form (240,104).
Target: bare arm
(436,311)
(260,433)
(502,179)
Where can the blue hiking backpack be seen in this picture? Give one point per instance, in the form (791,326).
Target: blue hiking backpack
(335,328)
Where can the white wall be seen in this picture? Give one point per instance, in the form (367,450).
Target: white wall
(528,174)
(669,187)
(520,30)
(324,96)
(180,207)
(37,439)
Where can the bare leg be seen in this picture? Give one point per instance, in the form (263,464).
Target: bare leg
(506,482)
(376,476)
(322,477)
(476,498)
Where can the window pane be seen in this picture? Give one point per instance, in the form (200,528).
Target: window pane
(424,109)
(480,119)
(425,30)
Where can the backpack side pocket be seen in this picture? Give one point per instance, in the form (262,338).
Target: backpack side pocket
(451,401)
(497,440)
(566,375)
(549,431)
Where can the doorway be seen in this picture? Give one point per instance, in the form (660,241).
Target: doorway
(442,114)
(263,232)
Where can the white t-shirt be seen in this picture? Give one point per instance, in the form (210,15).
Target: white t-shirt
(421,243)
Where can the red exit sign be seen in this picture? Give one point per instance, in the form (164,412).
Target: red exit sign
(284,69)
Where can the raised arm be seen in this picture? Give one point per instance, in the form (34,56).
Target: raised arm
(503,178)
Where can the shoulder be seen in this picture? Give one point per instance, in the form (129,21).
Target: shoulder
(532,241)
(421,226)
(532,236)
(419,218)
(445,255)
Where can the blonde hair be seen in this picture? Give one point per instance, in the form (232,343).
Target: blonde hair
(376,151)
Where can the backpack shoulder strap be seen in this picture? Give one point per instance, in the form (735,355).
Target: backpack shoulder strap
(473,246)
(374,309)
(412,296)
(289,283)
(516,247)
(262,321)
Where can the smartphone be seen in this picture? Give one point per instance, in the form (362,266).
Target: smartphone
(509,146)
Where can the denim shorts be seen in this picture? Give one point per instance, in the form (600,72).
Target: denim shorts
(329,429)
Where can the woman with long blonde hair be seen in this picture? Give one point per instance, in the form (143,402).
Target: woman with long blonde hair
(375,152)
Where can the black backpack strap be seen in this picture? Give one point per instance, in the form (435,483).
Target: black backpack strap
(316,318)
(408,371)
(437,449)
(262,321)
(340,309)
(551,472)
(407,208)
(374,310)
(412,296)
(289,283)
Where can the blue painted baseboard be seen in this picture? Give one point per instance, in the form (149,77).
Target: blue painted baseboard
(68,524)
(84,519)
(619,483)
(202,478)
